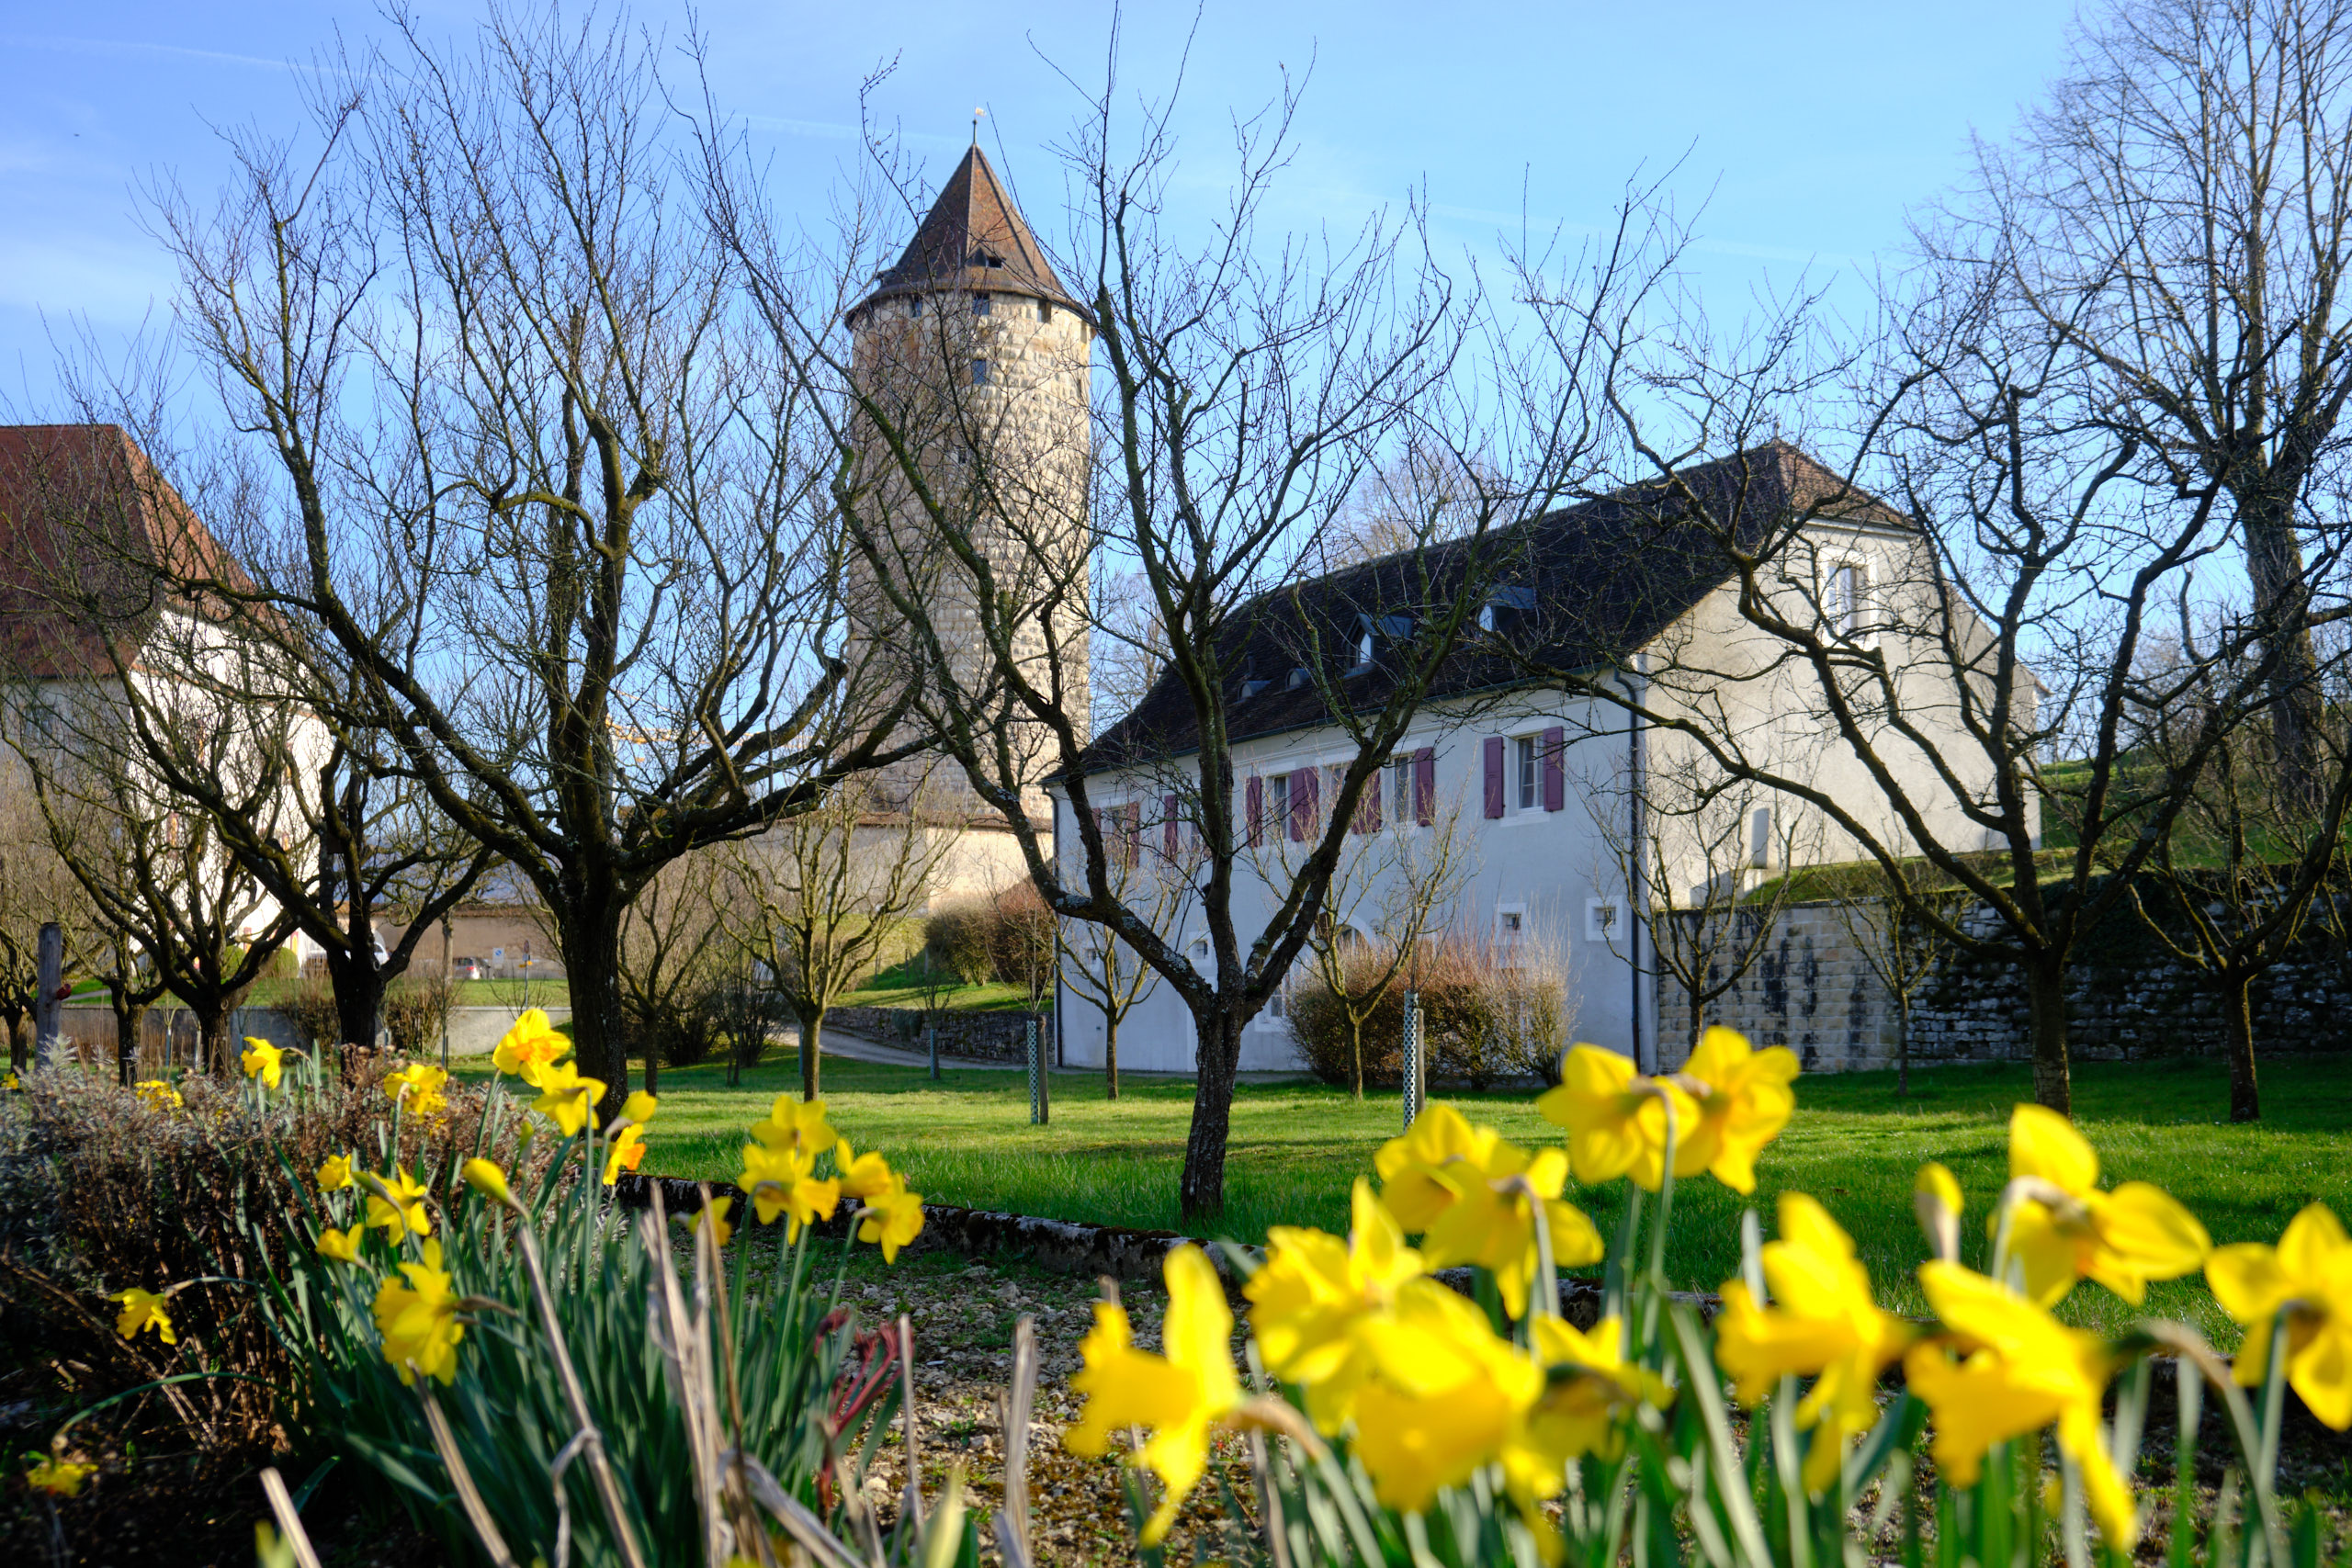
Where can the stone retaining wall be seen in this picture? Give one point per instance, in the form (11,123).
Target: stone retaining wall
(989,1036)
(1815,992)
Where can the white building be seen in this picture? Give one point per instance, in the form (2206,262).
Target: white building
(1544,786)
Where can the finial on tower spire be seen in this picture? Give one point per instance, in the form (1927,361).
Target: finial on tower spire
(977,113)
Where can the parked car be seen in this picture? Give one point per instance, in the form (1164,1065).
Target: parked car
(468,969)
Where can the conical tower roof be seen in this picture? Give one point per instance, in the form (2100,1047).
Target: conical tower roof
(974,238)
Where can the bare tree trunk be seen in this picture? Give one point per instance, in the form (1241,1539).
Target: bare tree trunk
(2275,562)
(20,1038)
(1110,1054)
(812,1041)
(1355,1044)
(130,1020)
(214,1046)
(1201,1190)
(1903,1046)
(2045,983)
(2237,1005)
(359,998)
(592,958)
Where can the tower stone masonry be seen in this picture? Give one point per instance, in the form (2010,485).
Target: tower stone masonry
(976,360)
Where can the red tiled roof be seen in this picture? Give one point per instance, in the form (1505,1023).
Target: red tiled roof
(92,542)
(972,225)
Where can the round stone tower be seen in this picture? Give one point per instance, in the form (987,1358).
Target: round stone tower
(976,358)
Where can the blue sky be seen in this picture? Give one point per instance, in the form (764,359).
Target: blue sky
(1808,129)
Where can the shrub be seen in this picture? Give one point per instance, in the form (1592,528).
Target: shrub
(1486,1017)
(960,940)
(415,1008)
(308,1007)
(1021,934)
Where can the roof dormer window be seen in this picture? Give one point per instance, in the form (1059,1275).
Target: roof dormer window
(1299,677)
(1506,610)
(1375,635)
(987,258)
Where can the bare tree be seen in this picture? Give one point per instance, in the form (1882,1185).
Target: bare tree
(2175,214)
(675,946)
(1901,948)
(35,889)
(559,515)
(174,908)
(1395,885)
(825,894)
(1245,385)
(1710,862)
(1154,872)
(2231,891)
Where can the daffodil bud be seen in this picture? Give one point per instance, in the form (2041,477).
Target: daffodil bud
(486,1178)
(1935,1198)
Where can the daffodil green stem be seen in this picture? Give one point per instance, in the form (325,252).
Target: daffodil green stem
(608,1490)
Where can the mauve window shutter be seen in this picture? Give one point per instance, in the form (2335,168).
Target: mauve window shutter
(1493,749)
(1257,810)
(1168,832)
(1368,805)
(1424,786)
(1302,804)
(1555,780)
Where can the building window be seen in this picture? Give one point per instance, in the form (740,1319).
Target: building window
(1510,924)
(1199,953)
(914,307)
(1527,750)
(1367,645)
(1603,919)
(981,305)
(1843,597)
(1046,311)
(1400,792)
(979,372)
(1278,804)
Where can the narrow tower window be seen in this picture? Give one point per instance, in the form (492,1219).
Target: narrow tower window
(979,372)
(1046,311)
(980,304)
(914,306)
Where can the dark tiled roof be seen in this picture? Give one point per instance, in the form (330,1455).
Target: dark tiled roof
(1602,579)
(971,225)
(89,534)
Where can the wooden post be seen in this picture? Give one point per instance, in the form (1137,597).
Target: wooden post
(50,1006)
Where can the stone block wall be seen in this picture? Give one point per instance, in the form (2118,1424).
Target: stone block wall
(1815,992)
(988,1036)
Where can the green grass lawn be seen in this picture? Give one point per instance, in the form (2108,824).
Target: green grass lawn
(1297,1146)
(898,987)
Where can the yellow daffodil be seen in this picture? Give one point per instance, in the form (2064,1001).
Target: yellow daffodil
(1743,1101)
(10,1082)
(862,1176)
(1459,1186)
(1589,1385)
(625,1152)
(142,1309)
(157,1095)
(1823,1324)
(636,1109)
(418,1321)
(60,1477)
(781,1181)
(416,1090)
(566,1097)
(1178,1396)
(336,1174)
(1449,1397)
(1936,1199)
(722,1232)
(796,1124)
(263,1061)
(893,1218)
(341,1245)
(531,1046)
(1616,1119)
(396,1202)
(1316,1291)
(2020,1370)
(2123,1240)
(2308,1276)
(485,1177)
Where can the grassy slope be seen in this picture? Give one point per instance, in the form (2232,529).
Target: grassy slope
(1296,1147)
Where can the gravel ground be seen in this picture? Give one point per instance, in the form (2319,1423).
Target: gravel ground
(963,1313)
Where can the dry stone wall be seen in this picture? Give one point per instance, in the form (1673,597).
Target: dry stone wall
(1815,992)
